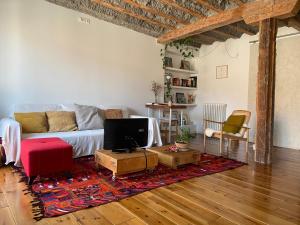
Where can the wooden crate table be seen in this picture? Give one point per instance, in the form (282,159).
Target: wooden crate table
(123,163)
(175,159)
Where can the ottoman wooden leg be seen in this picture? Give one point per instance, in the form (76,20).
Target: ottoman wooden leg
(31,179)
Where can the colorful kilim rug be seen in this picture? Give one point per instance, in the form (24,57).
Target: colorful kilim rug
(89,186)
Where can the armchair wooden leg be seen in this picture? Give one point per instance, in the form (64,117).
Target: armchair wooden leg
(204,142)
(221,143)
(247,144)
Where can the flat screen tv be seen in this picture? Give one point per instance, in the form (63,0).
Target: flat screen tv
(125,135)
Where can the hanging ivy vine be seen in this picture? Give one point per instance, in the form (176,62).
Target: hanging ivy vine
(183,46)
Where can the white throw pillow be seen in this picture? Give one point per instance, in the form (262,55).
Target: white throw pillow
(88,118)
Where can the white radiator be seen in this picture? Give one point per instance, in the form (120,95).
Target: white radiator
(215,112)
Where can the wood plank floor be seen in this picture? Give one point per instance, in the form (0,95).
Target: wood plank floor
(252,194)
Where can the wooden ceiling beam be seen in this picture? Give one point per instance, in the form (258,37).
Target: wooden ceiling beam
(202,39)
(174,4)
(251,12)
(154,11)
(208,38)
(219,37)
(225,34)
(209,6)
(241,29)
(122,10)
(294,22)
(203,25)
(261,10)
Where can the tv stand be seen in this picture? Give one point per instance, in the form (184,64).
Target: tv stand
(121,164)
(120,151)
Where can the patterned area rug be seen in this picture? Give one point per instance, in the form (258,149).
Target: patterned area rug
(89,187)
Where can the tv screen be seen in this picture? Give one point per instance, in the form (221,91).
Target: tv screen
(124,135)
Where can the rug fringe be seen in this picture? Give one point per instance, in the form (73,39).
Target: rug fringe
(37,205)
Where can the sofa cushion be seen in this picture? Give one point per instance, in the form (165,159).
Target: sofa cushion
(33,122)
(113,114)
(88,117)
(60,121)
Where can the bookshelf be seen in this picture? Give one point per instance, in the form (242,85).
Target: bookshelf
(183,83)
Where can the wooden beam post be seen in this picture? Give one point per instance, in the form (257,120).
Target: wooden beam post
(265,93)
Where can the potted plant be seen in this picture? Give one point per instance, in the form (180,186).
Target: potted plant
(183,139)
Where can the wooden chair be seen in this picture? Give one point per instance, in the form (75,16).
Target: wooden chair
(242,135)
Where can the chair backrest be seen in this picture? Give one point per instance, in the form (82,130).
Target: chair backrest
(247,115)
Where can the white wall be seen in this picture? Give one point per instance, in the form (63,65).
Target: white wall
(232,90)
(238,90)
(47,56)
(287,94)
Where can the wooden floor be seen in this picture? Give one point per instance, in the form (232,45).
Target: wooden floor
(251,194)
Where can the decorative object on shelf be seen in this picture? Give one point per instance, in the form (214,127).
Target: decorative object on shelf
(168,94)
(221,71)
(183,139)
(193,81)
(167,62)
(176,81)
(180,98)
(156,88)
(185,65)
(191,99)
(184,82)
(183,46)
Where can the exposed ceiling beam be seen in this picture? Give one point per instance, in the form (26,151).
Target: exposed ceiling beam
(208,39)
(209,6)
(155,11)
(242,29)
(176,5)
(130,13)
(245,11)
(261,10)
(202,39)
(294,22)
(225,34)
(220,37)
(203,25)
(237,2)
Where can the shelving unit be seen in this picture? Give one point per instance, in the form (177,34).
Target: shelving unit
(172,69)
(182,87)
(188,80)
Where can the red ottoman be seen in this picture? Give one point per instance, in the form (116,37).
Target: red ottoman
(44,156)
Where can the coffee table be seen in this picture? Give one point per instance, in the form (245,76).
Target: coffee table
(175,159)
(124,163)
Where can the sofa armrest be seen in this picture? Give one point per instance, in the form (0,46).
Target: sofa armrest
(11,132)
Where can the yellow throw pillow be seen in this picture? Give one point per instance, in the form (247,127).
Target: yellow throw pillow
(60,121)
(33,122)
(113,114)
(234,123)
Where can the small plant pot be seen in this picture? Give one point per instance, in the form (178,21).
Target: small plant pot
(182,146)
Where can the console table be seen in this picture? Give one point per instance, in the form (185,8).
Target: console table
(172,107)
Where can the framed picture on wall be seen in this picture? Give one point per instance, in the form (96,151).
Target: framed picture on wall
(222,72)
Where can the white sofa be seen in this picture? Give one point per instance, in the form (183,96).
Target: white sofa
(84,142)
